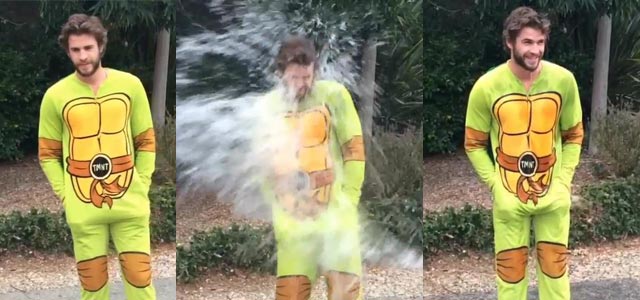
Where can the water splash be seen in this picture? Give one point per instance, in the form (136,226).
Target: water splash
(228,139)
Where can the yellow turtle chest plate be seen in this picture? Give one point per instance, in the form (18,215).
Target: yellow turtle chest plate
(526,149)
(314,173)
(100,160)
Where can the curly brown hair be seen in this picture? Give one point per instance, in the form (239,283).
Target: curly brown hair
(83,24)
(524,17)
(296,50)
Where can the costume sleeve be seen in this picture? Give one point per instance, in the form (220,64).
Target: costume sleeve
(349,133)
(50,144)
(143,134)
(476,136)
(572,132)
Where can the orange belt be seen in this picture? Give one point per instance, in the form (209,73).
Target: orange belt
(510,163)
(321,178)
(80,168)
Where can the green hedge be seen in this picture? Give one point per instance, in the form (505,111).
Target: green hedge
(36,230)
(607,211)
(163,213)
(42,230)
(238,246)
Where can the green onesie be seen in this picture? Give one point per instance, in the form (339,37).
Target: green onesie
(318,229)
(98,153)
(535,140)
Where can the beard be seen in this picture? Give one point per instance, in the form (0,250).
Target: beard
(302,93)
(520,60)
(298,95)
(94,68)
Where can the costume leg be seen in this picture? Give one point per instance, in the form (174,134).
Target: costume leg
(90,244)
(132,241)
(552,237)
(296,258)
(511,235)
(341,255)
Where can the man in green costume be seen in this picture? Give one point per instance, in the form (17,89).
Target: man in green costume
(97,149)
(527,112)
(316,225)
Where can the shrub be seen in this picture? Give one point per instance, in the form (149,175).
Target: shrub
(392,192)
(233,247)
(611,211)
(618,140)
(163,213)
(36,230)
(166,152)
(21,89)
(455,230)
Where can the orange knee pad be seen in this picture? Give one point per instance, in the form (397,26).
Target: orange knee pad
(553,258)
(511,264)
(343,286)
(295,287)
(93,273)
(136,267)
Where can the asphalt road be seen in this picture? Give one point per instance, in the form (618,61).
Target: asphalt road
(619,289)
(165,290)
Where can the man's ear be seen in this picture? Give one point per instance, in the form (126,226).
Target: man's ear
(510,45)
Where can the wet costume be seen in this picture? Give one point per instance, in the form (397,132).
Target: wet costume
(317,230)
(535,139)
(98,153)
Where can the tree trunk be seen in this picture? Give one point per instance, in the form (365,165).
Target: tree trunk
(600,79)
(367,88)
(159,96)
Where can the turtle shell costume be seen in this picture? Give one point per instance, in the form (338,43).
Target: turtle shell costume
(525,146)
(98,152)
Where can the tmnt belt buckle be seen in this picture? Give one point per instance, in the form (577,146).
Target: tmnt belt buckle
(100,167)
(527,164)
(302,181)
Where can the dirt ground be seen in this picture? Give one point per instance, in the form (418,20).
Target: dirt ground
(24,186)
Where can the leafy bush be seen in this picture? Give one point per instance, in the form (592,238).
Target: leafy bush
(392,192)
(394,165)
(21,89)
(611,212)
(36,230)
(618,139)
(163,213)
(454,230)
(234,247)
(166,152)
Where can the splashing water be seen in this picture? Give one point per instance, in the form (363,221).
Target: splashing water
(229,141)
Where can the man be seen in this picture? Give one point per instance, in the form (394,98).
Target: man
(316,223)
(528,111)
(97,149)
